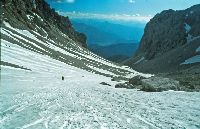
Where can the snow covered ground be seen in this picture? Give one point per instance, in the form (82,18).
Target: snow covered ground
(38,98)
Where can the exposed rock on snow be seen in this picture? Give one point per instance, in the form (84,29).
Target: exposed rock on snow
(124,85)
(157,84)
(104,83)
(136,80)
(152,84)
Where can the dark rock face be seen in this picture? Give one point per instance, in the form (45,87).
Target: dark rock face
(16,11)
(167,31)
(163,33)
(170,38)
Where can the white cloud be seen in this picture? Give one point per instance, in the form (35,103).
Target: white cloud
(65,1)
(137,14)
(70,1)
(114,17)
(131,1)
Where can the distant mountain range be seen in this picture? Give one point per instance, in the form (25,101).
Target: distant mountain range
(96,35)
(107,33)
(110,39)
(115,52)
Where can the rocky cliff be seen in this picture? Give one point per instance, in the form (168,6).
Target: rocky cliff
(170,42)
(37,14)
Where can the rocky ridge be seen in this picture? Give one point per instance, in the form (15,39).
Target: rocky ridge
(170,39)
(36,14)
(169,30)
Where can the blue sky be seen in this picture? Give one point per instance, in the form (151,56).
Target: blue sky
(141,10)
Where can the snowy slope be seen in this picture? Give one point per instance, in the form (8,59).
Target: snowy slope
(39,100)
(33,96)
(25,41)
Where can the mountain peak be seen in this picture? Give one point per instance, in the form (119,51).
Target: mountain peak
(166,39)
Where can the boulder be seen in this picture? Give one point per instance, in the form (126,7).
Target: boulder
(158,84)
(136,80)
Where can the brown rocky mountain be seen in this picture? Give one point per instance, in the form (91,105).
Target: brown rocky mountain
(36,14)
(170,42)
